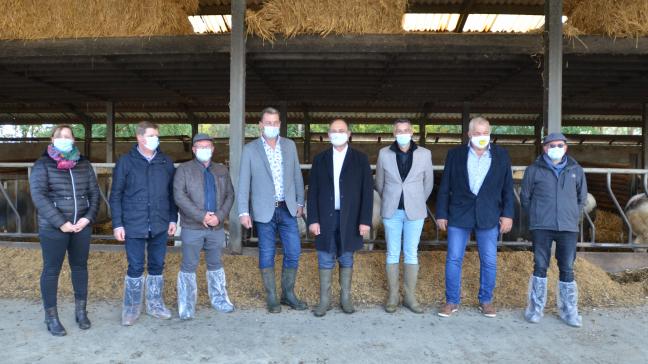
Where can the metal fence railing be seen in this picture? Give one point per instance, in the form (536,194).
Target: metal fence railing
(587,236)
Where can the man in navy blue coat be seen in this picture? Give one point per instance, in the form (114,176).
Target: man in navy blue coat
(340,204)
(476,195)
(144,215)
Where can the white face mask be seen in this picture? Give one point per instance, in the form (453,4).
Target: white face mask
(63,144)
(203,154)
(556,154)
(338,139)
(480,141)
(152,142)
(403,139)
(270,132)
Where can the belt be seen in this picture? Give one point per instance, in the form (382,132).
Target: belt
(279,203)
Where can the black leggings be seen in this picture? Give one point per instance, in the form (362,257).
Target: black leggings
(54,244)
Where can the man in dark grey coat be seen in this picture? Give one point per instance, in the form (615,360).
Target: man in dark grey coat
(554,191)
(204,194)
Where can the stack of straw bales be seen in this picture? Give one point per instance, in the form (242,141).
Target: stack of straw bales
(614,18)
(323,17)
(38,19)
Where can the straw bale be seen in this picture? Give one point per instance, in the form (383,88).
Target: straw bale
(106,271)
(610,227)
(614,18)
(37,19)
(323,17)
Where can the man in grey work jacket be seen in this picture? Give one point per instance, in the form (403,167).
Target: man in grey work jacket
(554,191)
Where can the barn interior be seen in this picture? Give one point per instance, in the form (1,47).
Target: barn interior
(436,76)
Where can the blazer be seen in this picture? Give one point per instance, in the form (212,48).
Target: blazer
(416,187)
(356,199)
(462,208)
(256,188)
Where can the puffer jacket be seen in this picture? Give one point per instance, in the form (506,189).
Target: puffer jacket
(63,195)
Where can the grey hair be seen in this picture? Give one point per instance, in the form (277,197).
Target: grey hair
(269,111)
(143,125)
(478,121)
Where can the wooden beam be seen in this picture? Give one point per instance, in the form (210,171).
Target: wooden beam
(464,12)
(237,112)
(110,132)
(423,123)
(537,132)
(465,120)
(307,134)
(283,115)
(553,66)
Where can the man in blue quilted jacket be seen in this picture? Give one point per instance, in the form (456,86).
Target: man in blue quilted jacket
(144,215)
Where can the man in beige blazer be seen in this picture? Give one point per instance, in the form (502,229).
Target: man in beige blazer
(404,180)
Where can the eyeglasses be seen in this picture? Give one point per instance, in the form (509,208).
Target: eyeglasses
(559,145)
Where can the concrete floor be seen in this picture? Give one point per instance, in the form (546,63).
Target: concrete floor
(368,336)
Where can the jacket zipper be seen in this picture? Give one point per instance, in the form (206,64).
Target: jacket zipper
(74,196)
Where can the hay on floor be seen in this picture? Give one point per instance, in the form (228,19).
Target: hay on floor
(21,268)
(614,18)
(610,227)
(323,17)
(38,19)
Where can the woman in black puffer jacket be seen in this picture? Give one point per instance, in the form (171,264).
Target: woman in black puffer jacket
(65,192)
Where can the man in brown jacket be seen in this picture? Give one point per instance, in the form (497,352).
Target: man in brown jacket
(204,194)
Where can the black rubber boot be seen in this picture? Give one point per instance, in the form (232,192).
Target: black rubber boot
(52,321)
(81,314)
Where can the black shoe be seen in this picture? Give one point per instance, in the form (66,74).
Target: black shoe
(81,314)
(288,297)
(52,321)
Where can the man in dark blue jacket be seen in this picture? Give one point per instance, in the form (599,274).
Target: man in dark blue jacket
(476,194)
(554,191)
(144,215)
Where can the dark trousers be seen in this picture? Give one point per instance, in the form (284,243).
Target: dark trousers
(565,252)
(54,245)
(155,249)
(326,258)
(285,224)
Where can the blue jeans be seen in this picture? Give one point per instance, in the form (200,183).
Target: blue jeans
(487,246)
(565,252)
(285,224)
(155,249)
(397,227)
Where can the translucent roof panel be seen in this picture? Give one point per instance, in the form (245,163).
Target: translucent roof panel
(504,23)
(211,23)
(430,22)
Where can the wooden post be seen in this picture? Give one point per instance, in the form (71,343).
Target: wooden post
(237,112)
(552,74)
(87,138)
(283,115)
(110,132)
(307,135)
(537,131)
(194,128)
(465,121)
(423,124)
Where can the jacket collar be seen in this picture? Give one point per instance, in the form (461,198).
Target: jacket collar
(157,158)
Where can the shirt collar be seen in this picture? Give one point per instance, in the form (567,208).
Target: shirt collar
(346,147)
(471,150)
(266,143)
(145,156)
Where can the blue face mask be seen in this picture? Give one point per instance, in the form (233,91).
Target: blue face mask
(556,154)
(63,144)
(403,139)
(270,132)
(203,154)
